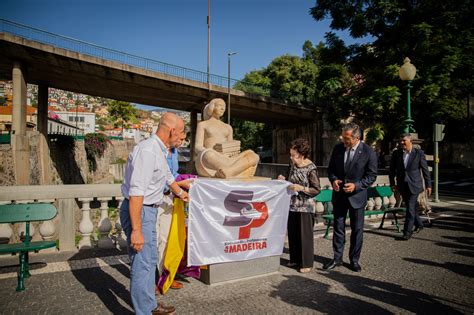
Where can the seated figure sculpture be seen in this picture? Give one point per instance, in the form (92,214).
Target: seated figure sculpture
(216,152)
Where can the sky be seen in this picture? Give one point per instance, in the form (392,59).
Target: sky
(175,31)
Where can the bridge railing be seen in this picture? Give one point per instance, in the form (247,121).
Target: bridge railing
(93,50)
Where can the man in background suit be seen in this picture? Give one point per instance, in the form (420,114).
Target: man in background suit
(405,166)
(352,169)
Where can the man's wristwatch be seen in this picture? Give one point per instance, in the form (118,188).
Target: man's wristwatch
(180,193)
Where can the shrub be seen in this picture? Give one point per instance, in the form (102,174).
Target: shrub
(95,145)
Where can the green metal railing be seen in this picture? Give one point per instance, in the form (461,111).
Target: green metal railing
(93,50)
(115,138)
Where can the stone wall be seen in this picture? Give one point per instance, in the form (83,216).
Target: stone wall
(72,167)
(7,171)
(68,164)
(319,135)
(453,154)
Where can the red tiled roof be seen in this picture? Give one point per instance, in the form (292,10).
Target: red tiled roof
(7,110)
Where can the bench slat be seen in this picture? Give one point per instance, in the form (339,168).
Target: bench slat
(27,212)
(23,247)
(324,195)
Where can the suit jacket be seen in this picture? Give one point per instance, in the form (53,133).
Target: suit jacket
(411,174)
(362,172)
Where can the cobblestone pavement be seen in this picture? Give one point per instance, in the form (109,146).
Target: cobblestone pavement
(432,273)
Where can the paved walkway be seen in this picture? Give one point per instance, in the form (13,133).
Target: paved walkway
(432,273)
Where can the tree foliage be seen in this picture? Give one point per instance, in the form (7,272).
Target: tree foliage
(435,35)
(121,113)
(289,78)
(251,134)
(361,80)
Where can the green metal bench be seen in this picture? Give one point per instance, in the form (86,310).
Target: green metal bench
(15,213)
(372,192)
(386,191)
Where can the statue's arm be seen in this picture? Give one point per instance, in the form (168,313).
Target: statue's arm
(230,137)
(199,142)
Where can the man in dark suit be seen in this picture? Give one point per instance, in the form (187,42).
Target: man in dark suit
(352,169)
(405,166)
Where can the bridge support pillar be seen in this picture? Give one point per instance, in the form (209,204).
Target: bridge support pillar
(19,141)
(42,124)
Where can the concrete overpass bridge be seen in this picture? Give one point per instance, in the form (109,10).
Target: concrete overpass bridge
(29,55)
(60,62)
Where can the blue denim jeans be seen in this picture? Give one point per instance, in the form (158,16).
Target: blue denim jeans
(143,263)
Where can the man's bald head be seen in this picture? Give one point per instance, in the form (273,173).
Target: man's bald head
(170,129)
(169,120)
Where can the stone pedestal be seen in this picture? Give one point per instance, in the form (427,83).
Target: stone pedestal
(219,273)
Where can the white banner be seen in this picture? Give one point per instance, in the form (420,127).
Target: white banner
(236,220)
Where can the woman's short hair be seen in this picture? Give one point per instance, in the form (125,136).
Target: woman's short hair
(301,146)
(209,108)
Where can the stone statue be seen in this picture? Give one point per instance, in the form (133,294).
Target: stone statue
(217,154)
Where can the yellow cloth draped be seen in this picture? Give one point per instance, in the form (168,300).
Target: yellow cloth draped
(176,241)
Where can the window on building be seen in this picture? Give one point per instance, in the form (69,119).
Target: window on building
(81,119)
(71,118)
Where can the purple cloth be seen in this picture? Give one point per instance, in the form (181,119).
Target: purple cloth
(181,177)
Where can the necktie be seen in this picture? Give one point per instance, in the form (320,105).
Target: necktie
(348,160)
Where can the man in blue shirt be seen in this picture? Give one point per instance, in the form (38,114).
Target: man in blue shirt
(165,210)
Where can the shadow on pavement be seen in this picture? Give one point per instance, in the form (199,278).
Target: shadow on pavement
(384,232)
(460,269)
(316,296)
(454,245)
(107,288)
(465,253)
(393,294)
(461,239)
(16,267)
(463,222)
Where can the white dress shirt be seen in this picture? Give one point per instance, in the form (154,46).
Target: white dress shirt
(147,171)
(350,152)
(406,156)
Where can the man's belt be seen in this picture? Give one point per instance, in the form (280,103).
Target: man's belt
(154,205)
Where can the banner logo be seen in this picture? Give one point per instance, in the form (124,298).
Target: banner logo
(249,214)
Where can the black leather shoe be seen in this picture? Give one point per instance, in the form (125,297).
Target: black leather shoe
(332,264)
(406,237)
(418,229)
(356,267)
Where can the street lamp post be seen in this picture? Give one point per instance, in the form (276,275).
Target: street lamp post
(209,44)
(407,73)
(228,85)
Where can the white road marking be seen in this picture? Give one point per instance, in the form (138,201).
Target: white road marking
(462,203)
(464,184)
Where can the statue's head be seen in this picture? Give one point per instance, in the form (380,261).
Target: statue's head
(216,108)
